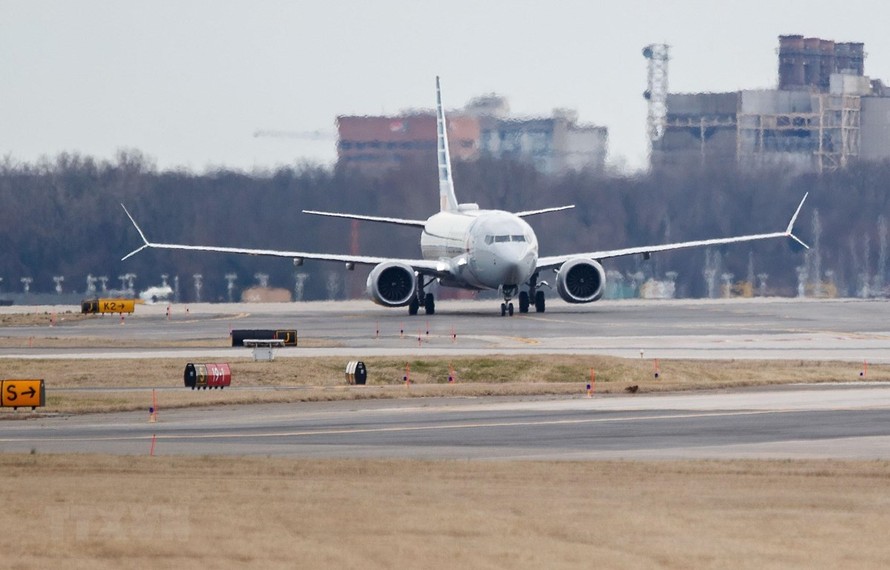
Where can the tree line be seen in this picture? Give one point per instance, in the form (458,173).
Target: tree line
(62,216)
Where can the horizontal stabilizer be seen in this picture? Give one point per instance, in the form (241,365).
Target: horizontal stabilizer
(528,213)
(382,219)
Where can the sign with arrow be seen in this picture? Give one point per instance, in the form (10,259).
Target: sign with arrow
(22,393)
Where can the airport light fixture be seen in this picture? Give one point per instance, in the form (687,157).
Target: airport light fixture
(762,277)
(26,284)
(58,280)
(91,284)
(199,281)
(230,285)
(727,283)
(300,285)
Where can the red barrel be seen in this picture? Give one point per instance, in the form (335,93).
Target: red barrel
(207,376)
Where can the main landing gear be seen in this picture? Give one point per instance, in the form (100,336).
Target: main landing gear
(425,299)
(526,298)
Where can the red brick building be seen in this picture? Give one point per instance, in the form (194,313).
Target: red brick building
(374,143)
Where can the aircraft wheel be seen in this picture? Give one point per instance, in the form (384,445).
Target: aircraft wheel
(503,309)
(429,304)
(523,302)
(413,306)
(539,302)
(510,309)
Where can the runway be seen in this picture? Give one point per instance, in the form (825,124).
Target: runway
(825,421)
(836,422)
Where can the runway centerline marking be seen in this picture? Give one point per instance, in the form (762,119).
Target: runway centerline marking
(475,425)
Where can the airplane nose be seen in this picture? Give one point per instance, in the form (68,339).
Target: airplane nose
(511,271)
(515,269)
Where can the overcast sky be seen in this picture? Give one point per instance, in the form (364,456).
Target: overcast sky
(189,82)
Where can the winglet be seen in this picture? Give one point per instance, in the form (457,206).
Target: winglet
(789,231)
(141,234)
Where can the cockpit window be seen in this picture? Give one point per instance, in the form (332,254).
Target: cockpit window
(489,239)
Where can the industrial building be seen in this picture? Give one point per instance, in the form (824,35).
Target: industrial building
(484,127)
(824,114)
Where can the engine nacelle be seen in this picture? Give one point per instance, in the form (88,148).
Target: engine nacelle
(581,280)
(392,284)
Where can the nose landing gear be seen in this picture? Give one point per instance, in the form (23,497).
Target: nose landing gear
(507,306)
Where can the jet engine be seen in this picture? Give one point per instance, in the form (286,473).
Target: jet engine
(392,284)
(581,280)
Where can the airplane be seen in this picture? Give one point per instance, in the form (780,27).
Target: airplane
(466,247)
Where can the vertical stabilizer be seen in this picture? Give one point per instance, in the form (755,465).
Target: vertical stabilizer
(447,199)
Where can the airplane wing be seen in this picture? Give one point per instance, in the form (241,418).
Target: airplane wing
(427,267)
(554,260)
(527,213)
(399,221)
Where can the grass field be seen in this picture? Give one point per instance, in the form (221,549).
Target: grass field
(207,512)
(308,379)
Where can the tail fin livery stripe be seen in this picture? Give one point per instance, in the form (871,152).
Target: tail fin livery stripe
(447,199)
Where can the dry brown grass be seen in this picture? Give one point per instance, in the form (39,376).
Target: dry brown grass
(207,512)
(41,318)
(312,379)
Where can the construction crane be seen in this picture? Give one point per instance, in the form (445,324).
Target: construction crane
(318,135)
(657,56)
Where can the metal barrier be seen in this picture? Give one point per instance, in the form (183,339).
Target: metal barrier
(356,372)
(204,376)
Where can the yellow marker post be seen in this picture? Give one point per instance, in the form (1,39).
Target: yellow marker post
(22,393)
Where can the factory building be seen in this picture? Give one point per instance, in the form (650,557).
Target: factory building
(824,114)
(484,127)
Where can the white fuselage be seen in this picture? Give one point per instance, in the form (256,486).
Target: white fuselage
(485,249)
